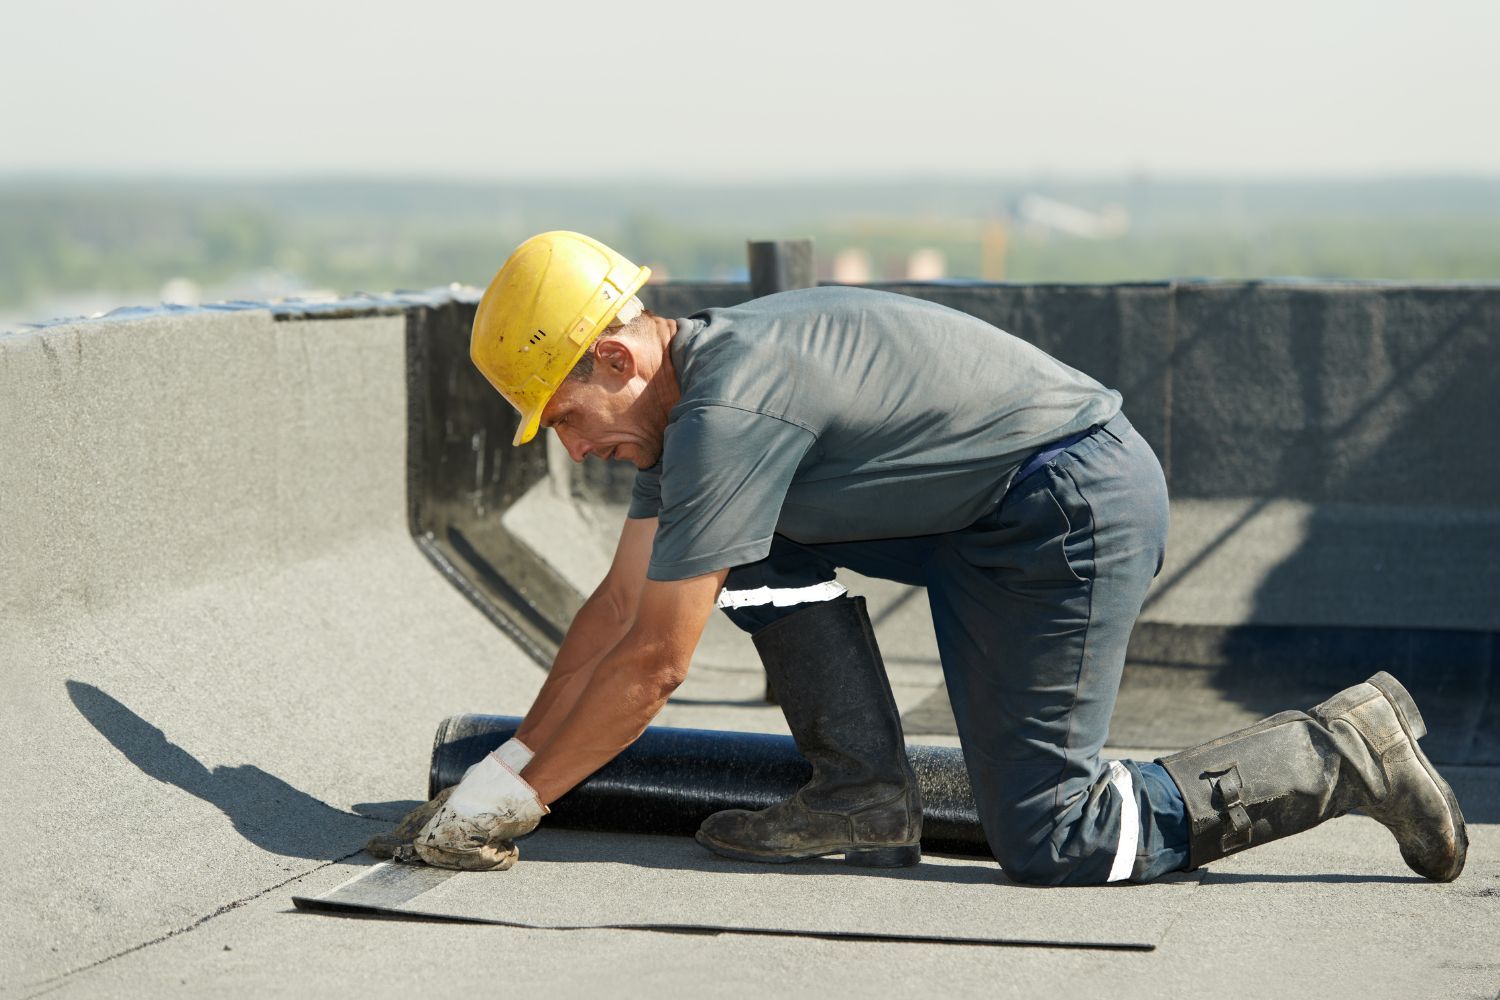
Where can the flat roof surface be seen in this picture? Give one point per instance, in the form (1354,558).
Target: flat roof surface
(1330,913)
(225,660)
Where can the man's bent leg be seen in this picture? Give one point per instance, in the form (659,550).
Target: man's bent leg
(1033,607)
(821,658)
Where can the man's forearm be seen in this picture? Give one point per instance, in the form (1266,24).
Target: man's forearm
(594,631)
(626,691)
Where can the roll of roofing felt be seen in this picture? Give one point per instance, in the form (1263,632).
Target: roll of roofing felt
(670,780)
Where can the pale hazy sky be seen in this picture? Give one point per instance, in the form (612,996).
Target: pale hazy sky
(763,89)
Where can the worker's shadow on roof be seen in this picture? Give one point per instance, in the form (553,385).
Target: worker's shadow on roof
(265,810)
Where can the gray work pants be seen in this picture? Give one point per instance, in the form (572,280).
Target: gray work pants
(1033,605)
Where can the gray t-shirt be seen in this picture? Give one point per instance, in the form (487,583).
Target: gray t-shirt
(838,414)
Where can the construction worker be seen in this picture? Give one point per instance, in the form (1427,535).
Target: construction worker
(782,439)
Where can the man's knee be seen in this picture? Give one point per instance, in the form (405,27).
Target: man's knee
(1051,835)
(1039,865)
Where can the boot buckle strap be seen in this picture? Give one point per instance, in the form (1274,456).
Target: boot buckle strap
(1231,793)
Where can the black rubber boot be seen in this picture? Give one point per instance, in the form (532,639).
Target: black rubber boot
(1288,773)
(862,801)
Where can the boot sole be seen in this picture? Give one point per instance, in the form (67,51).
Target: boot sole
(1416,728)
(896,856)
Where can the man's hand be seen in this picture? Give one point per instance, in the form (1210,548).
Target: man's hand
(399,843)
(487,810)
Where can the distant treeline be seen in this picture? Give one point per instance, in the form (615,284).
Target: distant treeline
(130,237)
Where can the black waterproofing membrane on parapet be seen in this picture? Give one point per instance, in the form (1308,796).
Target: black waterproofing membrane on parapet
(670,780)
(463,474)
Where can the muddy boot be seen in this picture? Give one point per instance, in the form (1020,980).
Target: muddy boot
(387,845)
(862,801)
(1288,773)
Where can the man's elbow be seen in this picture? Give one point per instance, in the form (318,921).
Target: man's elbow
(669,675)
(660,670)
(660,654)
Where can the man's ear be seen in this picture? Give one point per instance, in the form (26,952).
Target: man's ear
(615,356)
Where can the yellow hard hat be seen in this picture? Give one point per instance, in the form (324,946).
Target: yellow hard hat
(553,296)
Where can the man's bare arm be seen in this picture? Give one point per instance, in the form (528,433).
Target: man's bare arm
(629,686)
(604,618)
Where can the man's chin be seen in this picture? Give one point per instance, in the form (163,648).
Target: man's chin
(633,456)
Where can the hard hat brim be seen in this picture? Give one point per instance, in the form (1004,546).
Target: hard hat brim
(528,427)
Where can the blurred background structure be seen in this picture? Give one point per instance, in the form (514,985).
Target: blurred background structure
(75,246)
(167,151)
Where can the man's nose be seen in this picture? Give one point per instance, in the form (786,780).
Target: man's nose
(577,448)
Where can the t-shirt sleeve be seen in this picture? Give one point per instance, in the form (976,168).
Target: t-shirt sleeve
(725,473)
(645,493)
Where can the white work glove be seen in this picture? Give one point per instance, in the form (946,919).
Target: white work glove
(490,807)
(513,753)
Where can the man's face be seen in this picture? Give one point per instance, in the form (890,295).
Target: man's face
(603,417)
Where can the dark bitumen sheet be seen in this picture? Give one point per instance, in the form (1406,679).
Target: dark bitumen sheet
(670,780)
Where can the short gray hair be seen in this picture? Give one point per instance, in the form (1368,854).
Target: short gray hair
(631,311)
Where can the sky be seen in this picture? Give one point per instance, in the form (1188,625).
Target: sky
(764,90)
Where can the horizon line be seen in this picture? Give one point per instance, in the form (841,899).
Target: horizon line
(1134,176)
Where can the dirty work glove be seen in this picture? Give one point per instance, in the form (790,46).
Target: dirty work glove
(472,830)
(388,845)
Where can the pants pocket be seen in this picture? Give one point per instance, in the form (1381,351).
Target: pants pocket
(1043,535)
